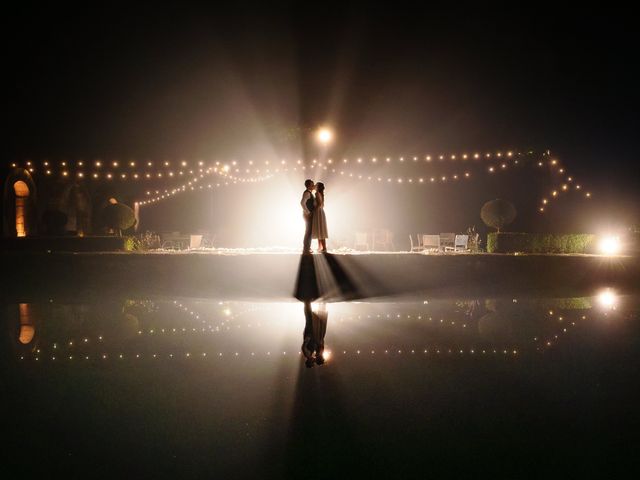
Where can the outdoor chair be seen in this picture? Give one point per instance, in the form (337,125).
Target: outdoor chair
(208,240)
(362,240)
(174,241)
(383,239)
(171,245)
(195,241)
(460,243)
(447,240)
(418,247)
(431,243)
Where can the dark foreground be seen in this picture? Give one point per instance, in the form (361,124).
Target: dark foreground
(126,387)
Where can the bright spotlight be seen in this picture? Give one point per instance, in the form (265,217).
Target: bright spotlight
(324,135)
(326,355)
(609,245)
(608,299)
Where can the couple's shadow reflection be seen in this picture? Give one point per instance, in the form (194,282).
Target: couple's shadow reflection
(321,278)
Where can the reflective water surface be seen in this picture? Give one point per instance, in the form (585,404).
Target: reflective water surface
(195,388)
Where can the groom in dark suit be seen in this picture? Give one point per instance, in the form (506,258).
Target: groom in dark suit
(307,212)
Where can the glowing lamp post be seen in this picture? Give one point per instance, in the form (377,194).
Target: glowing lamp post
(609,245)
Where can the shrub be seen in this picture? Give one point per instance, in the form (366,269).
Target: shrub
(131,244)
(474,242)
(540,242)
(498,213)
(142,242)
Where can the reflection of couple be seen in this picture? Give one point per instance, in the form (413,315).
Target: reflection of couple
(315,329)
(314,217)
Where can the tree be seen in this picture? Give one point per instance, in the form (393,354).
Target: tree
(498,213)
(118,217)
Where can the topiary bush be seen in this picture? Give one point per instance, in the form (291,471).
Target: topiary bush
(498,213)
(118,217)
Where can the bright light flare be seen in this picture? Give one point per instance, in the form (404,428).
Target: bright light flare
(326,355)
(609,245)
(608,299)
(324,135)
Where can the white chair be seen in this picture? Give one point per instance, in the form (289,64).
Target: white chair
(195,241)
(447,240)
(362,240)
(418,247)
(460,243)
(383,239)
(173,241)
(208,240)
(431,243)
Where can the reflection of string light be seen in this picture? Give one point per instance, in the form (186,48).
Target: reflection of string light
(450,352)
(548,342)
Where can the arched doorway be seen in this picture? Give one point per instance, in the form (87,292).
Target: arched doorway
(19,204)
(21,191)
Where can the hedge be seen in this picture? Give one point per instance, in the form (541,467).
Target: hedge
(510,242)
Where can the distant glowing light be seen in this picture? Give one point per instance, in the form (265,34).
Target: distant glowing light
(324,135)
(609,245)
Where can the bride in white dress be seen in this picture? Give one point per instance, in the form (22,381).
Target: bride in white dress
(319,222)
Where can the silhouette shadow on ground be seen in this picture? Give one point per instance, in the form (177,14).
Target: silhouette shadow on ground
(324,277)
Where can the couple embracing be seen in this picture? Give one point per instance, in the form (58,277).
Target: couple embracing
(314,217)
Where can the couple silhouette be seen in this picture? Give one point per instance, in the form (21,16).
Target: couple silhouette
(314,216)
(315,329)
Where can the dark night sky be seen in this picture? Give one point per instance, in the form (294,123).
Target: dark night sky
(183,83)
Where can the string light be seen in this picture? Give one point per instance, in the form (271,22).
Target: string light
(255,175)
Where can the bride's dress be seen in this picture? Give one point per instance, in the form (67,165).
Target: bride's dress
(319,222)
